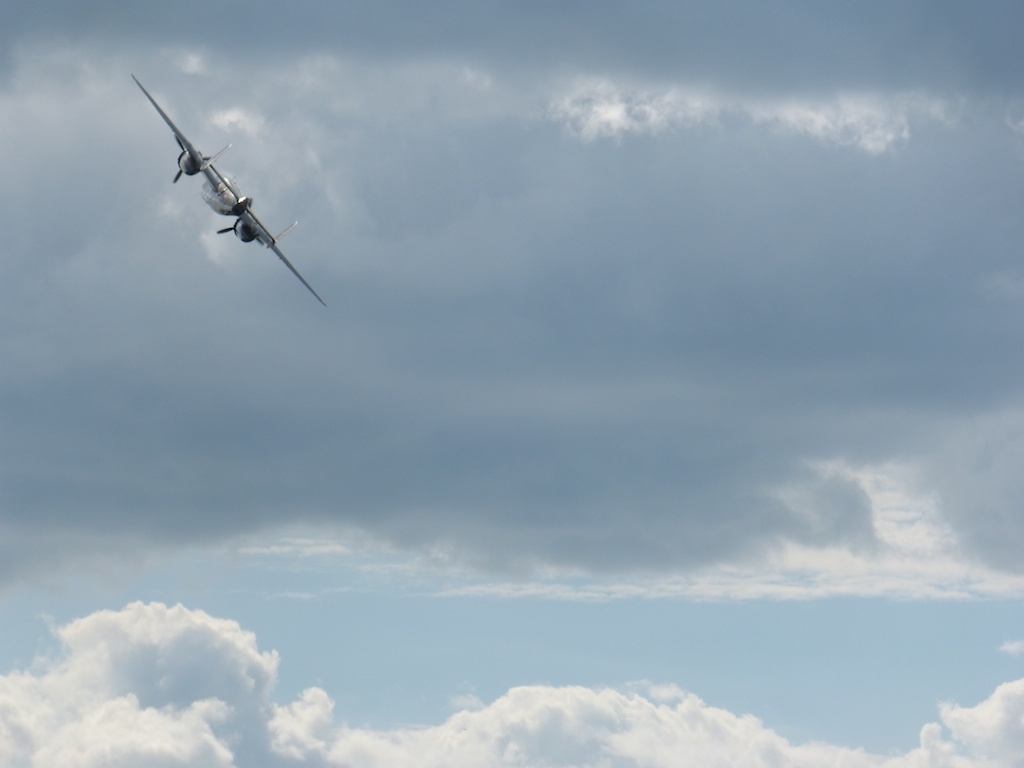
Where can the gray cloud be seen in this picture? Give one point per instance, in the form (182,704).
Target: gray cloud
(741,44)
(607,353)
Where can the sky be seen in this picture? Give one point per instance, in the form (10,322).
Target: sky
(666,409)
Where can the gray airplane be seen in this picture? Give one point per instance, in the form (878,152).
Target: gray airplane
(221,194)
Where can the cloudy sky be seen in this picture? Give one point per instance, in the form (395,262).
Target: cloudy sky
(667,409)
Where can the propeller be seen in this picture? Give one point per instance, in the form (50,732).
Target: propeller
(225,230)
(177,176)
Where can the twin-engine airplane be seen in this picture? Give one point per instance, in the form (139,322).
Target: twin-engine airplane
(221,194)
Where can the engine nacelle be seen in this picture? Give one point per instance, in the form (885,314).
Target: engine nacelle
(241,206)
(244,232)
(188,164)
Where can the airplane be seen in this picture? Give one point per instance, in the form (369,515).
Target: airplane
(221,194)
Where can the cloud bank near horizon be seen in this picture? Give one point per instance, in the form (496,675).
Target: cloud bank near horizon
(178,688)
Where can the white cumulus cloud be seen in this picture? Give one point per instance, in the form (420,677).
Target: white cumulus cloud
(170,687)
(148,685)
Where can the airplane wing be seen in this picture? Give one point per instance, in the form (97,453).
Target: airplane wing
(281,256)
(183,142)
(267,239)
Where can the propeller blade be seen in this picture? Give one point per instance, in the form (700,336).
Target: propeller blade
(225,230)
(177,176)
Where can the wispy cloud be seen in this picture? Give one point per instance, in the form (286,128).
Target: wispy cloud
(1012,647)
(915,555)
(871,123)
(599,109)
(298,548)
(236,119)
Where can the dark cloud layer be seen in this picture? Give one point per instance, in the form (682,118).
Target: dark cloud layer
(739,43)
(539,349)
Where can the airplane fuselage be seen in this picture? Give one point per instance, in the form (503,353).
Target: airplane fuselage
(223,199)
